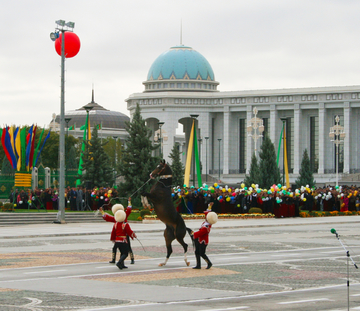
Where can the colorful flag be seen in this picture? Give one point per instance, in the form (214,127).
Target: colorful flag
(99,126)
(72,128)
(188,157)
(286,163)
(18,148)
(83,146)
(46,138)
(279,148)
(32,148)
(28,147)
(82,128)
(37,147)
(197,160)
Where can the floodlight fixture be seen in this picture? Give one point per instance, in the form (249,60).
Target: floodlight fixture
(70,24)
(54,36)
(60,22)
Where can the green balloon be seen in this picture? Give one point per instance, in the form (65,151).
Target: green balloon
(212,190)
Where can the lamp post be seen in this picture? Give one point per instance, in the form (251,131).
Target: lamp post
(53,36)
(160,125)
(206,173)
(200,141)
(194,116)
(337,135)
(255,124)
(219,139)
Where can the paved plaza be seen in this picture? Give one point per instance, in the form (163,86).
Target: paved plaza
(258,264)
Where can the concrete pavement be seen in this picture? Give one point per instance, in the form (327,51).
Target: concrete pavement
(73,229)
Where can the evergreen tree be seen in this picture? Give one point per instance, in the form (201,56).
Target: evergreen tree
(254,172)
(176,166)
(6,168)
(71,160)
(306,174)
(96,168)
(269,171)
(137,161)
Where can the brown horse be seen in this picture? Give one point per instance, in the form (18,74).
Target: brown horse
(160,197)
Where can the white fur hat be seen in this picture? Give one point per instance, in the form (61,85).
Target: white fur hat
(212,218)
(116,208)
(120,216)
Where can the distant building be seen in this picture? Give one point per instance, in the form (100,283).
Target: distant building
(181,83)
(110,123)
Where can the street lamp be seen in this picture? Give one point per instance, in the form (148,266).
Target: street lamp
(219,139)
(337,135)
(53,36)
(67,120)
(200,141)
(161,151)
(206,173)
(194,116)
(255,124)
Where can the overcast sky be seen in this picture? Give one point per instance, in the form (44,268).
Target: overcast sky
(250,45)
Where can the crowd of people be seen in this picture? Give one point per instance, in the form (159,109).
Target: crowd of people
(277,200)
(76,198)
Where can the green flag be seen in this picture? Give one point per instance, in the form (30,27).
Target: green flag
(78,181)
(37,147)
(197,160)
(278,155)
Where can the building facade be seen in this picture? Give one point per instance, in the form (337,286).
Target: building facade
(181,86)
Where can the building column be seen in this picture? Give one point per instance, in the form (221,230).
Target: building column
(297,150)
(249,145)
(321,169)
(347,115)
(226,140)
(273,120)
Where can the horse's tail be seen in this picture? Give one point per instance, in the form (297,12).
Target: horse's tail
(191,236)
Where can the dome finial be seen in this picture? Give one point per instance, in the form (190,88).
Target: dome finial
(92,94)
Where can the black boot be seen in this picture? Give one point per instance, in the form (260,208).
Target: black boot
(198,263)
(132,258)
(120,263)
(209,264)
(113,257)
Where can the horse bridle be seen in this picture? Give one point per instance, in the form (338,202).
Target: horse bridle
(164,176)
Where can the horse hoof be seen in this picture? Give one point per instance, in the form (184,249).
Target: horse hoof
(161,264)
(188,263)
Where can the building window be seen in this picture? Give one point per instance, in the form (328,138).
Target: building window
(285,98)
(150,102)
(183,101)
(243,101)
(238,100)
(141,102)
(155,101)
(189,101)
(256,99)
(290,98)
(314,144)
(315,97)
(165,85)
(202,102)
(220,101)
(178,85)
(198,85)
(340,96)
(309,97)
(261,99)
(279,98)
(233,100)
(353,96)
(160,101)
(176,101)
(328,96)
(186,85)
(192,85)
(195,101)
(303,97)
(172,85)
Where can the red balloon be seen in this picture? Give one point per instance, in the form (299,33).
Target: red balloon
(72,44)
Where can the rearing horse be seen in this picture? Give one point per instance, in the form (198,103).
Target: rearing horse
(160,196)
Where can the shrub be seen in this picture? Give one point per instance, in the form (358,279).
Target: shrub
(8,207)
(144,212)
(1,203)
(255,210)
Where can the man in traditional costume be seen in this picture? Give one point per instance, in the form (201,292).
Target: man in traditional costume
(121,230)
(201,237)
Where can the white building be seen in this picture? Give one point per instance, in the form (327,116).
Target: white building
(181,83)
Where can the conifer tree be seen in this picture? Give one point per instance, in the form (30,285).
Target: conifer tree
(269,171)
(176,166)
(96,168)
(6,168)
(71,161)
(305,174)
(254,172)
(137,161)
